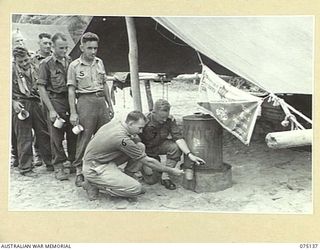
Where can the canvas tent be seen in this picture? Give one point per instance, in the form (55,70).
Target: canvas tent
(273,52)
(31,31)
(159,50)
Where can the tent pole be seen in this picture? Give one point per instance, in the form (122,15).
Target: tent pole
(148,94)
(133,63)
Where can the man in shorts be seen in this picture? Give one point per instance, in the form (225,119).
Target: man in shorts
(162,136)
(114,144)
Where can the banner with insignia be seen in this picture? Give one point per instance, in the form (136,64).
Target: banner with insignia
(235,109)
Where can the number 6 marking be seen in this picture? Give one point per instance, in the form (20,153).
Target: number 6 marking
(123,143)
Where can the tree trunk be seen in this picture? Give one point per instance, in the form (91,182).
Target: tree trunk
(287,139)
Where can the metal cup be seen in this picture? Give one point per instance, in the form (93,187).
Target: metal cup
(58,123)
(189,174)
(77,129)
(24,114)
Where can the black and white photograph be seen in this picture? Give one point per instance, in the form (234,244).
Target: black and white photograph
(161,113)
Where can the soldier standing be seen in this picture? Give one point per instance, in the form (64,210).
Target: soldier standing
(45,45)
(52,85)
(87,80)
(44,51)
(25,97)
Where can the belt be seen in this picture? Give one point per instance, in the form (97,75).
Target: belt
(99,93)
(31,98)
(58,95)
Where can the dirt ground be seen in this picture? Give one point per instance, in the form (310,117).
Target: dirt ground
(264,180)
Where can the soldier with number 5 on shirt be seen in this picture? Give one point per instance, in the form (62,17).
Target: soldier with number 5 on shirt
(87,83)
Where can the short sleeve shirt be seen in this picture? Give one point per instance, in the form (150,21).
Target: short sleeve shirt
(37,58)
(87,78)
(113,143)
(27,82)
(53,74)
(155,133)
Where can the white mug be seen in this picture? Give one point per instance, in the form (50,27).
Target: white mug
(77,129)
(24,114)
(58,123)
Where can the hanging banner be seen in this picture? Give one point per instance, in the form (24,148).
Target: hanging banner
(234,109)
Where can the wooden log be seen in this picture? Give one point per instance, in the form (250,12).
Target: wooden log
(287,139)
(133,63)
(149,94)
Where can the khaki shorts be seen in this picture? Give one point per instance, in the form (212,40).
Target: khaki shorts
(110,178)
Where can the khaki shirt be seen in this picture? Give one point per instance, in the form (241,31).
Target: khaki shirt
(85,77)
(53,74)
(155,133)
(113,143)
(24,83)
(37,58)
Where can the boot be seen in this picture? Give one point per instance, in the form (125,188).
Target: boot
(170,164)
(79,180)
(30,174)
(67,167)
(14,161)
(165,178)
(92,191)
(49,168)
(60,174)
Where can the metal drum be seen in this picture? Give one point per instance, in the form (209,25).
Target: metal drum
(203,135)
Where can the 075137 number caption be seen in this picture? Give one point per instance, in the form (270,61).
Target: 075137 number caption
(308,245)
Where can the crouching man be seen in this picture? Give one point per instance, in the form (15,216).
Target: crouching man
(114,144)
(162,136)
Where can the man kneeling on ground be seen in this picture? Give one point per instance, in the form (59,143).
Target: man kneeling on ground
(114,144)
